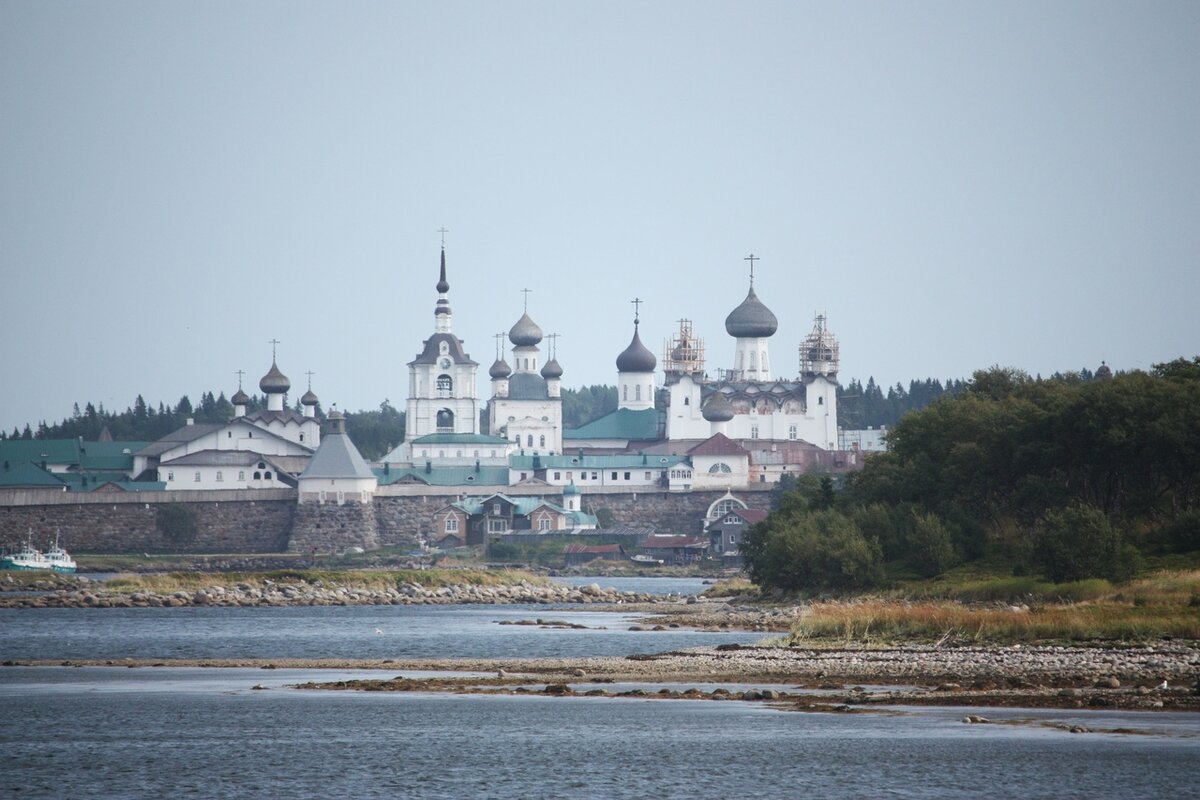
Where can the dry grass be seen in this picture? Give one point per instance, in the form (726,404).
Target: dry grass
(1165,604)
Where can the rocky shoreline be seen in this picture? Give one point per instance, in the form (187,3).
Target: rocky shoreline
(317,593)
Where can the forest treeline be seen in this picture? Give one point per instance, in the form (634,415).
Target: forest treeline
(1063,477)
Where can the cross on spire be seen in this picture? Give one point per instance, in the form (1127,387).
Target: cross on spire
(310,373)
(443,232)
(553,337)
(637,309)
(273,343)
(240,373)
(526,293)
(752,258)
(499,345)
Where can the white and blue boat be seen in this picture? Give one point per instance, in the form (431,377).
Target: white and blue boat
(29,559)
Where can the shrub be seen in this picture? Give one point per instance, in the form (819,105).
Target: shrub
(812,551)
(930,549)
(1079,542)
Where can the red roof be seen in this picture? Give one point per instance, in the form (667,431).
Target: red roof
(664,542)
(593,548)
(718,445)
(751,515)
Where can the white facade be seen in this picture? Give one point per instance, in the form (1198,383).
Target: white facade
(526,404)
(193,476)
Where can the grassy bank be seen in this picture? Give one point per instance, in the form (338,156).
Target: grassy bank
(1010,610)
(360,579)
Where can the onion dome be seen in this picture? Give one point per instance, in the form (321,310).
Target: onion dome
(1103,372)
(309,399)
(571,489)
(274,382)
(552,369)
(525,333)
(240,398)
(751,320)
(636,358)
(443,285)
(717,409)
(500,369)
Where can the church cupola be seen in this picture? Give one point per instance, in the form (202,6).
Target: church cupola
(274,384)
(525,336)
(718,412)
(819,351)
(635,371)
(240,400)
(500,371)
(751,324)
(309,400)
(1103,372)
(552,370)
(441,311)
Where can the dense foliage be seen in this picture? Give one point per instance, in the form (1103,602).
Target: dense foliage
(1068,476)
(581,406)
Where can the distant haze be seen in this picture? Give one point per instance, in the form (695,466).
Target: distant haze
(955,184)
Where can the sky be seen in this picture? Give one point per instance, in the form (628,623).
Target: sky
(955,184)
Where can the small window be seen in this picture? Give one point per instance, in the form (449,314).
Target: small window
(820,401)
(529,440)
(496,509)
(614,476)
(302,437)
(441,453)
(170,476)
(476,454)
(197,478)
(451,524)
(637,392)
(570,476)
(558,476)
(754,432)
(266,476)
(625,392)
(229,434)
(257,475)
(541,441)
(792,432)
(458,453)
(687,401)
(627,476)
(241,474)
(497,525)
(649,476)
(262,465)
(719,467)
(596,476)
(220,476)
(544,524)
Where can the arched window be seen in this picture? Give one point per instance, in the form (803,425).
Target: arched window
(266,476)
(625,392)
(261,465)
(445,386)
(220,476)
(529,440)
(687,401)
(541,441)
(719,467)
(792,432)
(258,476)
(637,392)
(445,420)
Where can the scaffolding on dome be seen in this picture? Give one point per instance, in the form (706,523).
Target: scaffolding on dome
(684,353)
(819,350)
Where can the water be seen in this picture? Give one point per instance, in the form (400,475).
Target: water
(114,732)
(152,733)
(376,632)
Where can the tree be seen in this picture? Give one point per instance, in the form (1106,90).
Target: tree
(931,551)
(1079,542)
(811,551)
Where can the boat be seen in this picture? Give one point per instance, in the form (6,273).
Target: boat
(642,558)
(29,558)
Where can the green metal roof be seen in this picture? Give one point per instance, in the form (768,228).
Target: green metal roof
(94,455)
(620,461)
(620,424)
(459,438)
(27,474)
(447,476)
(523,507)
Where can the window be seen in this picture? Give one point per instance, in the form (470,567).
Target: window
(496,509)
(648,476)
(261,465)
(541,441)
(558,476)
(302,437)
(731,539)
(445,420)
(719,467)
(445,386)
(754,432)
(544,524)
(458,453)
(451,524)
(497,525)
(687,401)
(241,474)
(220,476)
(637,392)
(529,440)
(625,392)
(170,476)
(493,454)
(570,476)
(257,475)
(266,476)
(614,476)
(441,453)
(792,432)
(476,454)
(596,476)
(197,478)
(229,434)
(626,476)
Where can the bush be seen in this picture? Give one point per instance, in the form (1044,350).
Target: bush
(1079,542)
(822,550)
(930,550)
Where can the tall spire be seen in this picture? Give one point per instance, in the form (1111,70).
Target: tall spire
(441,312)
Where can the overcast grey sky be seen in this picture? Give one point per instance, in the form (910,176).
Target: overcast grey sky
(957,184)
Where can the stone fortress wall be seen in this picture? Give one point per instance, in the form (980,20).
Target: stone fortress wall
(271,521)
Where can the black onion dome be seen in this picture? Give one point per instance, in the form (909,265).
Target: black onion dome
(274,382)
(751,320)
(525,333)
(443,285)
(500,369)
(717,409)
(552,369)
(636,358)
(309,399)
(1103,371)
(240,398)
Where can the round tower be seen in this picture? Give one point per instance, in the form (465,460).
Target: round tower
(635,374)
(751,324)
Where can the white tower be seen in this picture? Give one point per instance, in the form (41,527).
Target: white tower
(442,396)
